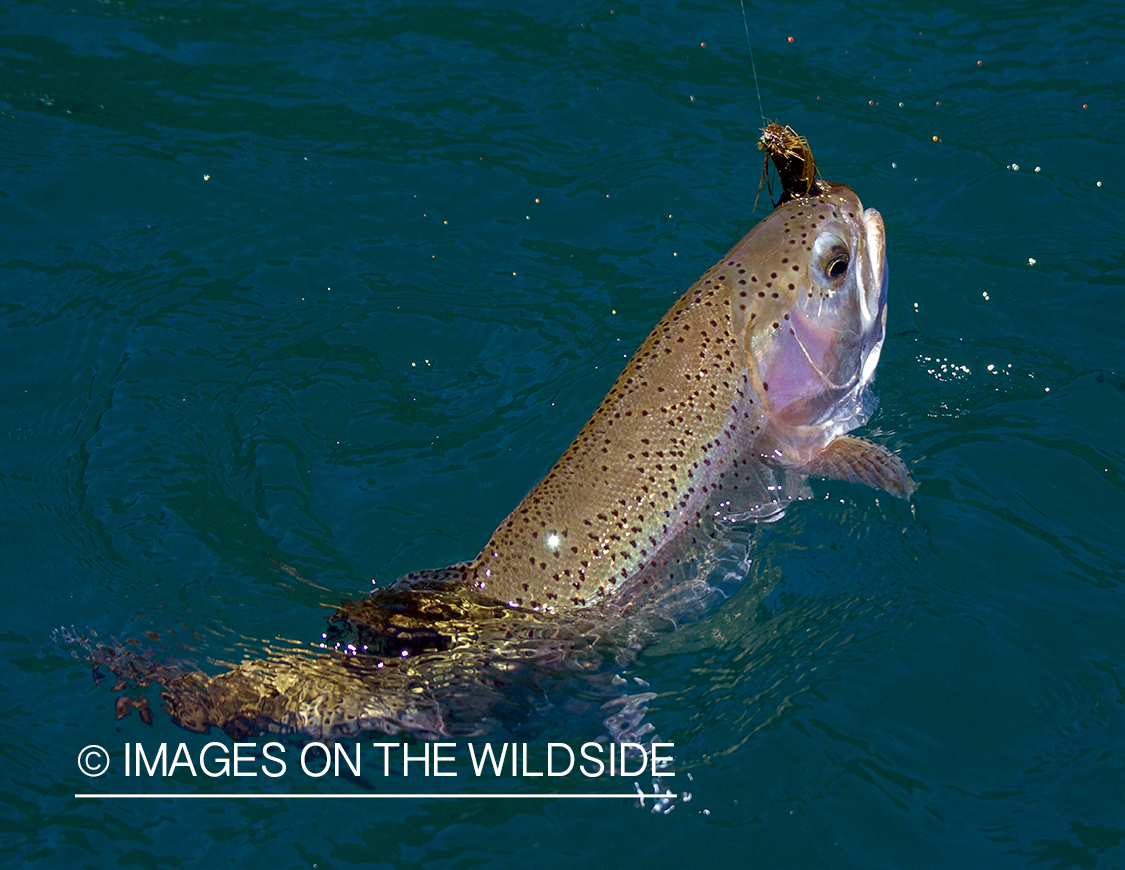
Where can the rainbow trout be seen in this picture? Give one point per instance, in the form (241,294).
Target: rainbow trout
(748,385)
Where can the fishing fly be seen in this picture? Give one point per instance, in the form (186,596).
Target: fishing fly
(793,158)
(791,153)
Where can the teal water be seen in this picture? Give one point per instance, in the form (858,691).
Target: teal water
(275,287)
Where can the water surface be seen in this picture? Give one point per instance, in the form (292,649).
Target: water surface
(331,287)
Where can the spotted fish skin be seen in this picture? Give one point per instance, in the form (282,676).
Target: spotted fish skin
(750,375)
(749,383)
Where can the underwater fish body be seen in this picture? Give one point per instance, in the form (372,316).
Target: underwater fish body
(748,385)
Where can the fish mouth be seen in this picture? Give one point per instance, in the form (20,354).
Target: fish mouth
(872,279)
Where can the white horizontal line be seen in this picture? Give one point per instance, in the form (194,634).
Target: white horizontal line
(305,795)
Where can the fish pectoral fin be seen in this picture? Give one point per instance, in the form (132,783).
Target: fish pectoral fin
(861,461)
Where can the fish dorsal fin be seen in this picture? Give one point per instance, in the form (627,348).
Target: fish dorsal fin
(434,579)
(861,461)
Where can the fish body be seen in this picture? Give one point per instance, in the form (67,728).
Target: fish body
(747,385)
(735,395)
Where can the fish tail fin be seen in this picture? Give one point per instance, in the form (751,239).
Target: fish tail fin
(129,661)
(135,667)
(288,692)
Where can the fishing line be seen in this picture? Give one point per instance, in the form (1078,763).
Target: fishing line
(753,67)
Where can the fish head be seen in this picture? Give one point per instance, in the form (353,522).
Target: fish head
(809,311)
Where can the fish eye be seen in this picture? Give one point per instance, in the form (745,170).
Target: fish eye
(837,267)
(832,257)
